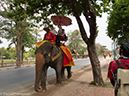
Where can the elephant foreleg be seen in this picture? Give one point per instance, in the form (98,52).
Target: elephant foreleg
(39,64)
(43,78)
(58,76)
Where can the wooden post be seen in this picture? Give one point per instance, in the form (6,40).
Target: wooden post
(27,61)
(2,63)
(16,63)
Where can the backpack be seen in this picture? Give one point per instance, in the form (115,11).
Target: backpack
(122,82)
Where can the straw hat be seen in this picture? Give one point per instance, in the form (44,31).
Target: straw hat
(46,29)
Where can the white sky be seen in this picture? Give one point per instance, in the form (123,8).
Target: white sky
(102,37)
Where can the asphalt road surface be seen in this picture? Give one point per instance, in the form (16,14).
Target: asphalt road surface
(14,80)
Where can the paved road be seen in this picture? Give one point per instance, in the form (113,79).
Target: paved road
(13,80)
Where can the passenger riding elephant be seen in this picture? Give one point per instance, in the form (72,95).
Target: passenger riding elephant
(47,55)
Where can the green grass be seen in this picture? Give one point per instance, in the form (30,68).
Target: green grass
(7,60)
(32,60)
(104,85)
(92,83)
(12,60)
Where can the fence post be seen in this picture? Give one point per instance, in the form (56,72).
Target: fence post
(27,61)
(2,63)
(16,63)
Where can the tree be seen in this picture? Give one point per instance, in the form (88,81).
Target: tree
(75,42)
(118,21)
(89,8)
(8,53)
(2,52)
(12,52)
(16,26)
(32,52)
(100,49)
(29,40)
(81,50)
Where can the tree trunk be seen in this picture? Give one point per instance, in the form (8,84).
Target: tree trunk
(18,48)
(20,32)
(22,54)
(18,55)
(91,19)
(96,69)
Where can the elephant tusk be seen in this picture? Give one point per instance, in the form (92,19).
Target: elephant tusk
(49,54)
(57,56)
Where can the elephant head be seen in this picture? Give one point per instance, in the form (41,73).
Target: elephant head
(44,55)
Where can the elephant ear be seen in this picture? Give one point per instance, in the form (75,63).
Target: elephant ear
(54,46)
(56,52)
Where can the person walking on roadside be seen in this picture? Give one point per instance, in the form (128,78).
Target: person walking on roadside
(123,60)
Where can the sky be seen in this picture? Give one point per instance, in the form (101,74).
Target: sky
(102,37)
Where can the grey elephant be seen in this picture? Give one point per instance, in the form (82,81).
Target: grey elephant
(47,55)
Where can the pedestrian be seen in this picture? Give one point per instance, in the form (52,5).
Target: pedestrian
(123,60)
(53,30)
(110,54)
(104,54)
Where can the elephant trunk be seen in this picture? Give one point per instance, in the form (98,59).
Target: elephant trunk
(39,65)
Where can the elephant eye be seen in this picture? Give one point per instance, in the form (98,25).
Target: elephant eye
(45,55)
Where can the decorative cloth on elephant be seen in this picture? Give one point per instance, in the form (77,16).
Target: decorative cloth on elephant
(38,44)
(68,60)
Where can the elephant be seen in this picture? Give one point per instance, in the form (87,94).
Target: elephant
(49,56)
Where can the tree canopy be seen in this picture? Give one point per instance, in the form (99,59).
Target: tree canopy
(75,42)
(118,21)
(8,53)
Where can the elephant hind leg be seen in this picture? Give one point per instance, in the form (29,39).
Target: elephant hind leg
(69,72)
